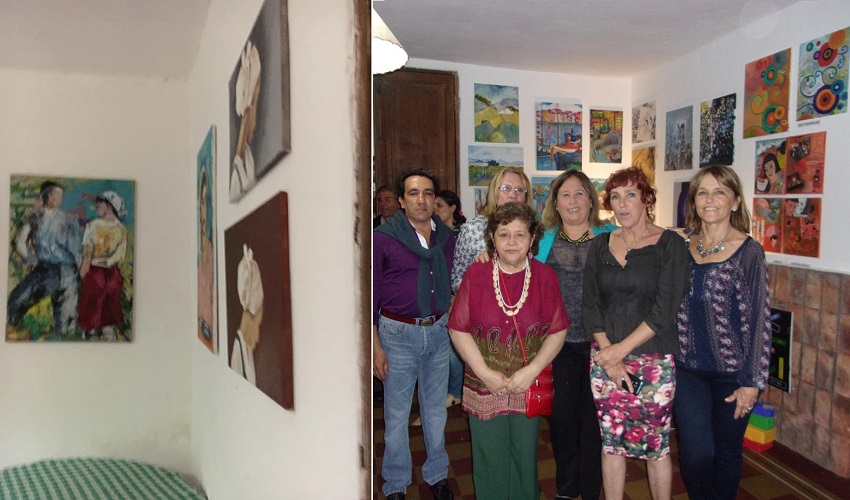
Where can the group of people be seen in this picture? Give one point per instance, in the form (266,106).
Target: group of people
(80,273)
(639,322)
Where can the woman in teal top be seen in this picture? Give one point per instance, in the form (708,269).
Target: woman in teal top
(571,219)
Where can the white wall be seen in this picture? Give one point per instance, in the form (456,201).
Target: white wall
(117,400)
(717,69)
(593,92)
(245,445)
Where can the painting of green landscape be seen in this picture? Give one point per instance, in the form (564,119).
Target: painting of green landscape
(486,161)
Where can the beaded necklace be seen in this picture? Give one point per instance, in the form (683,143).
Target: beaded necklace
(510,310)
(581,239)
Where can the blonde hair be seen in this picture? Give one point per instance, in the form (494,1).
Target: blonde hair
(493,189)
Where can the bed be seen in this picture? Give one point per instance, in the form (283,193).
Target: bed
(93,479)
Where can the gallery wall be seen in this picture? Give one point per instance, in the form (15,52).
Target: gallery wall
(104,399)
(244,444)
(717,69)
(593,92)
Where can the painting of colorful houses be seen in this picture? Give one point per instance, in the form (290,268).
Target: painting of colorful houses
(558,129)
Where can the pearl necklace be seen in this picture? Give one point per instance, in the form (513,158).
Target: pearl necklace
(629,247)
(715,249)
(510,310)
(581,239)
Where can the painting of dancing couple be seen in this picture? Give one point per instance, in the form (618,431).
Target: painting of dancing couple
(71,259)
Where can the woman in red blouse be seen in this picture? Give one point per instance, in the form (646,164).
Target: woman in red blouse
(481,324)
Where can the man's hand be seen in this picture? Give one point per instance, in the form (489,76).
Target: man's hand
(379,358)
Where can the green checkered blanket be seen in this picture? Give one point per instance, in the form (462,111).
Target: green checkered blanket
(93,479)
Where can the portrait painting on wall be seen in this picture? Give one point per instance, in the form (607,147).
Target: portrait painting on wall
(766,95)
(558,128)
(206,258)
(259,100)
(480,194)
(486,161)
(770,166)
(496,109)
(644,159)
(643,122)
(801,226)
(806,154)
(716,131)
(539,192)
(679,139)
(259,306)
(822,75)
(767,223)
(606,135)
(71,259)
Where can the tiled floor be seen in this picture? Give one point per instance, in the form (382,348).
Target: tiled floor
(766,476)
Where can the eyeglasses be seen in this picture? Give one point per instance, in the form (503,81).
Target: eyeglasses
(507,189)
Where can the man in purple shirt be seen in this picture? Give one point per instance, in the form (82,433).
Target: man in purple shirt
(411,266)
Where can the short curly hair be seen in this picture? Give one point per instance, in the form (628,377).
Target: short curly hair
(624,177)
(507,213)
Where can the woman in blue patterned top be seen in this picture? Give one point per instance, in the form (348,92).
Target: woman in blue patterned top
(724,333)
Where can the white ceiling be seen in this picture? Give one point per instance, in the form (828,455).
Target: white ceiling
(123,37)
(616,38)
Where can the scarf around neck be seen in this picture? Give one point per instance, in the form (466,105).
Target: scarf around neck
(431,260)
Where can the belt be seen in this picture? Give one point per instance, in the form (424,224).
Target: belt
(428,321)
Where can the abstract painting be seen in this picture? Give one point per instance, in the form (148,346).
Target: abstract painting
(487,161)
(480,195)
(206,258)
(606,136)
(558,129)
(767,223)
(496,113)
(540,192)
(801,226)
(822,89)
(643,122)
(770,166)
(806,154)
(766,95)
(644,159)
(259,100)
(259,338)
(716,132)
(679,139)
(72,257)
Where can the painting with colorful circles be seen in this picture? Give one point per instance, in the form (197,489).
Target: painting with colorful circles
(766,95)
(822,89)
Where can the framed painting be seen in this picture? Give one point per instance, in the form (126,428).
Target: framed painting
(496,113)
(72,257)
(606,136)
(259,302)
(259,100)
(558,128)
(206,258)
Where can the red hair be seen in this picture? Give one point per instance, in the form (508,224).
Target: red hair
(624,177)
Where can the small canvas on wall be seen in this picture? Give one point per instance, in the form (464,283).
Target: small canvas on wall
(766,94)
(72,257)
(559,141)
(644,159)
(259,100)
(206,258)
(822,74)
(259,306)
(496,113)
(606,136)
(679,139)
(486,161)
(643,122)
(540,192)
(716,131)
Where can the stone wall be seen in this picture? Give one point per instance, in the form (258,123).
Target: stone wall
(814,418)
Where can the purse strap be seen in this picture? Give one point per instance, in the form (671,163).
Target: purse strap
(516,325)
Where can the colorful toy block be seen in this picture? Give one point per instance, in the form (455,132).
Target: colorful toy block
(760,436)
(757,447)
(760,422)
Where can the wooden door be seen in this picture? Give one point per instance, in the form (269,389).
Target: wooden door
(416,125)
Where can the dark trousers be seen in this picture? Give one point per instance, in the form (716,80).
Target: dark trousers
(710,439)
(574,427)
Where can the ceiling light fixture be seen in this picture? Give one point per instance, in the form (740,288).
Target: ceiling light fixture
(387,53)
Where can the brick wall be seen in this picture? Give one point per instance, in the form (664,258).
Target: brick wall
(814,418)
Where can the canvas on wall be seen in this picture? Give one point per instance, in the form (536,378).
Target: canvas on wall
(259,100)
(679,139)
(72,257)
(496,113)
(643,122)
(486,161)
(770,166)
(599,185)
(480,195)
(206,258)
(644,159)
(766,95)
(716,131)
(606,136)
(801,226)
(558,129)
(540,192)
(767,223)
(259,307)
(806,155)
(822,76)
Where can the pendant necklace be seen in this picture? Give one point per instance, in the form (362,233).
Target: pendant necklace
(629,247)
(510,310)
(715,249)
(581,239)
